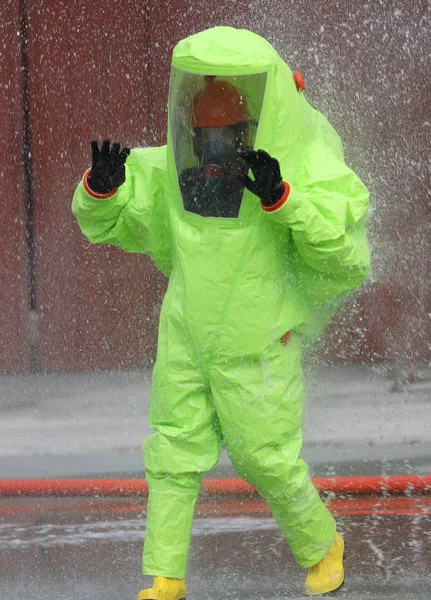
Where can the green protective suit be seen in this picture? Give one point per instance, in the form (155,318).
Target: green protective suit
(236,286)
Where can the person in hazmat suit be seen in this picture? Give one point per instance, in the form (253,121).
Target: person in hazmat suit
(253,215)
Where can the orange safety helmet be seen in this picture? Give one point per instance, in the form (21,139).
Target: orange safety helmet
(218,104)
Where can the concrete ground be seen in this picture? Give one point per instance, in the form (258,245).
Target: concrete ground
(358,420)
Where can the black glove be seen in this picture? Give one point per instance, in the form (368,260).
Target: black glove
(107,171)
(267,184)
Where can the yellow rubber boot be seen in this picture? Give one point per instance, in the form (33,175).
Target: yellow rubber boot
(328,574)
(165,588)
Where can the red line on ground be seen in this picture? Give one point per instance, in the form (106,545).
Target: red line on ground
(402,484)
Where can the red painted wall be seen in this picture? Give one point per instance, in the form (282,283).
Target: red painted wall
(87,80)
(14,333)
(102,69)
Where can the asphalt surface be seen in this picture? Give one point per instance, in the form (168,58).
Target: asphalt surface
(90,549)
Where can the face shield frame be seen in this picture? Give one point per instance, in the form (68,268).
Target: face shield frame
(230,107)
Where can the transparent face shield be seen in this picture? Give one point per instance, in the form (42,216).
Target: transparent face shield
(212,119)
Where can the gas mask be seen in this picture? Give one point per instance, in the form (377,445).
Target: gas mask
(219,150)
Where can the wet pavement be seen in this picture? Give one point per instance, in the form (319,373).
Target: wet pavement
(357,421)
(90,548)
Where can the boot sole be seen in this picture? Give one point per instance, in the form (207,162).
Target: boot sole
(182,597)
(334,592)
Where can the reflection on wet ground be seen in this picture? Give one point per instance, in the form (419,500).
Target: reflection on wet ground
(89,548)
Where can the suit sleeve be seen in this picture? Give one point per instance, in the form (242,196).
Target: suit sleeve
(326,209)
(135,218)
